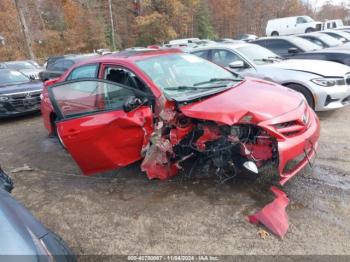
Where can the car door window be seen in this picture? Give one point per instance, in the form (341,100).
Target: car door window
(318,42)
(224,57)
(202,54)
(279,46)
(86,71)
(79,98)
(125,77)
(57,66)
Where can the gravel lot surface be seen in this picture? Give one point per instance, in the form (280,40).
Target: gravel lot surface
(122,212)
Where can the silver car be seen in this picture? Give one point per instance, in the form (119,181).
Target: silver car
(29,68)
(324,84)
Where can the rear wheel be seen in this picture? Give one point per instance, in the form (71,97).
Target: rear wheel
(305,92)
(274,33)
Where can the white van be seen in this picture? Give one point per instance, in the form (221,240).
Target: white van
(292,25)
(332,24)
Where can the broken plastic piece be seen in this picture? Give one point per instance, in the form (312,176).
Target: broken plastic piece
(274,215)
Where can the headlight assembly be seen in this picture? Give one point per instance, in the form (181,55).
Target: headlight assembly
(328,81)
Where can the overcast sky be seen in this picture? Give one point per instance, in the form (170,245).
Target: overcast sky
(319,3)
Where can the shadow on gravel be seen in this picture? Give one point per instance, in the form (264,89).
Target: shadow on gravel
(13,119)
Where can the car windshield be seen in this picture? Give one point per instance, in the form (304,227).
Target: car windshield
(341,35)
(20,65)
(258,54)
(181,74)
(304,44)
(8,77)
(331,41)
(308,19)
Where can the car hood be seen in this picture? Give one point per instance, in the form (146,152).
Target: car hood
(318,67)
(19,230)
(250,101)
(23,87)
(31,72)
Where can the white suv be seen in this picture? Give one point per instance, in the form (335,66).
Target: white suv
(292,25)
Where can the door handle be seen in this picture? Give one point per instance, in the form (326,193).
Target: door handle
(72,132)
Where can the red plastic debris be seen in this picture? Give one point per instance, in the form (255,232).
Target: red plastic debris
(179,133)
(274,215)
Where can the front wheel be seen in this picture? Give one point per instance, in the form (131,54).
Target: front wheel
(275,33)
(305,92)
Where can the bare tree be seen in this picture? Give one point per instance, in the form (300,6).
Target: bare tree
(25,30)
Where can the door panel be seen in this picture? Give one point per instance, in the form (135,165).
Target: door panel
(93,126)
(106,141)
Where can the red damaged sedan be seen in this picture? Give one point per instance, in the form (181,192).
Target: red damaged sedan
(177,111)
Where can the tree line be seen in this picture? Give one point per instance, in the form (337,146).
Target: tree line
(41,28)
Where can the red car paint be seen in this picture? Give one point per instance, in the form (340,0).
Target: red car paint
(274,215)
(114,139)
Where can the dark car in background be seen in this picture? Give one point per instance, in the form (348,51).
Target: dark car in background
(298,48)
(22,237)
(28,67)
(56,66)
(18,94)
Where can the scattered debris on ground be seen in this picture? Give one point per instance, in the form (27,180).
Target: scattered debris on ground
(24,168)
(263,234)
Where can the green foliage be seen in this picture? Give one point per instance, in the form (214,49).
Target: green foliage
(205,29)
(153,28)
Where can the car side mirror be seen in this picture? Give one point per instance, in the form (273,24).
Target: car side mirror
(237,64)
(133,102)
(293,50)
(32,78)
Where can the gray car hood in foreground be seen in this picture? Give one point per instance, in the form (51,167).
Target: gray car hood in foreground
(19,230)
(318,67)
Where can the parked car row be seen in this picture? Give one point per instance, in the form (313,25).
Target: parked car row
(21,82)
(311,79)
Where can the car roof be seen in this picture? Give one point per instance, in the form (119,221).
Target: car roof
(274,37)
(312,34)
(331,50)
(220,45)
(131,55)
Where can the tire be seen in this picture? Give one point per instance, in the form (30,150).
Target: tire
(55,132)
(305,92)
(6,182)
(275,33)
(309,30)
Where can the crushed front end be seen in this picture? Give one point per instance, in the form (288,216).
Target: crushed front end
(224,149)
